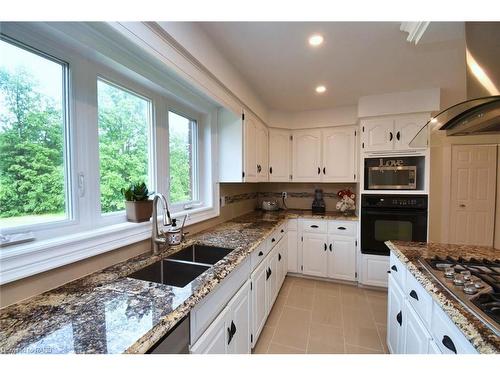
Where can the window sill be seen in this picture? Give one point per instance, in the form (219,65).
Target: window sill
(23,260)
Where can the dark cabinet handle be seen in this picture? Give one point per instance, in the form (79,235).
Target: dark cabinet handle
(341,228)
(270,170)
(324,170)
(279,257)
(390,136)
(319,170)
(231,332)
(331,247)
(273,240)
(398,135)
(314,226)
(282,231)
(233,328)
(414,295)
(267,273)
(399,318)
(260,253)
(448,342)
(229,336)
(394,268)
(326,247)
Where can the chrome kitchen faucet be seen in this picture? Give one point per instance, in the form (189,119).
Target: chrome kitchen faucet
(156,238)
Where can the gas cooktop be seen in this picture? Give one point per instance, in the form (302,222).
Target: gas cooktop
(473,282)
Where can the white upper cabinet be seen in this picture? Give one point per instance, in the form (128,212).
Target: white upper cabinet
(262,152)
(307,155)
(279,155)
(338,151)
(377,134)
(250,149)
(405,129)
(391,133)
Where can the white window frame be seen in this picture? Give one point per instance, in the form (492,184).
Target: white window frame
(89,233)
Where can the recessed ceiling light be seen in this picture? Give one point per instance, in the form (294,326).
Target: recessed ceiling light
(316,40)
(320,89)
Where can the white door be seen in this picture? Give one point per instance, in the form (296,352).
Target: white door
(472,203)
(341,258)
(314,254)
(214,340)
(416,338)
(282,261)
(339,156)
(279,155)
(306,156)
(374,270)
(377,134)
(293,252)
(259,299)
(239,326)
(250,149)
(262,153)
(395,317)
(406,128)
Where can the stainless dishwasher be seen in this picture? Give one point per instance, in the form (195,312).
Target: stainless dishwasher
(174,342)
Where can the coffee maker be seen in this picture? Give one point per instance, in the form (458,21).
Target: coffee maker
(318,205)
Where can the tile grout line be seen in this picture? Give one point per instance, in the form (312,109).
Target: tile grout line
(279,318)
(310,319)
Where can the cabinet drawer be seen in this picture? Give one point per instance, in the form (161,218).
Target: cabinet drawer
(259,254)
(418,297)
(342,228)
(293,224)
(273,239)
(397,270)
(314,226)
(447,336)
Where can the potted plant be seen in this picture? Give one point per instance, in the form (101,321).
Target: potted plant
(137,203)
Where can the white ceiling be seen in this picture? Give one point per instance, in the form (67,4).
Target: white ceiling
(356,59)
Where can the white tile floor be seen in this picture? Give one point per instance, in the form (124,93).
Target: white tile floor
(323,317)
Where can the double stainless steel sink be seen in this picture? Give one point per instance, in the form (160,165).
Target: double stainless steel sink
(181,268)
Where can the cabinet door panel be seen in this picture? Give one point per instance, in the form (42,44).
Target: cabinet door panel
(314,254)
(272,281)
(307,155)
(282,261)
(338,155)
(406,128)
(259,299)
(416,339)
(250,149)
(279,155)
(213,341)
(240,312)
(341,258)
(395,318)
(377,134)
(293,252)
(262,153)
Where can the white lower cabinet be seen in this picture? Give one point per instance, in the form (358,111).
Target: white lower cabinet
(395,316)
(230,331)
(293,252)
(259,299)
(314,254)
(417,338)
(374,270)
(342,258)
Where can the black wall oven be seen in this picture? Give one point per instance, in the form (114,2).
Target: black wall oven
(391,217)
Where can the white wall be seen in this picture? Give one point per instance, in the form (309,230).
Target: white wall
(192,37)
(314,119)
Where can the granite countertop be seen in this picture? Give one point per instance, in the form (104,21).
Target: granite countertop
(479,335)
(108,312)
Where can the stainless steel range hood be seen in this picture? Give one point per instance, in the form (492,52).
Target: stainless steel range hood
(480,113)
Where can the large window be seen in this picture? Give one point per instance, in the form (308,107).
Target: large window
(124,126)
(33,167)
(183,139)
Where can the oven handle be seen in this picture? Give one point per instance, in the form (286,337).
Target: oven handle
(391,211)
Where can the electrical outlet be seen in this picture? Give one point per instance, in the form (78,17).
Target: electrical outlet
(222,200)
(284,194)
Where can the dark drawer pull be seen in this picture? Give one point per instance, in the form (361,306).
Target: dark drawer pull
(448,342)
(394,268)
(268,273)
(273,240)
(341,228)
(282,231)
(314,226)
(260,253)
(399,318)
(414,295)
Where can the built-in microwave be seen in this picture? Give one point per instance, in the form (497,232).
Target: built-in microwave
(394,173)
